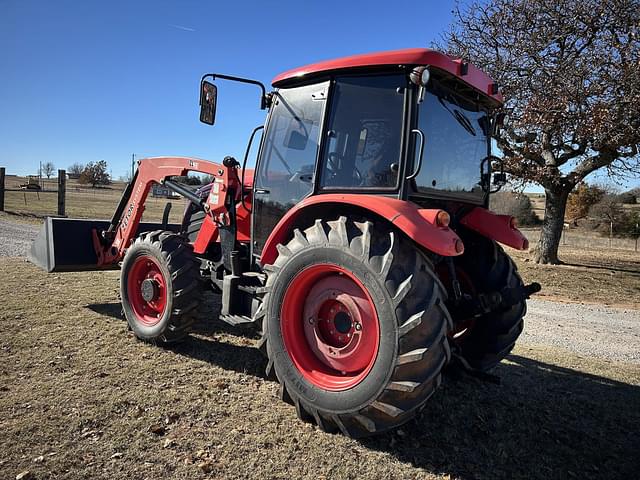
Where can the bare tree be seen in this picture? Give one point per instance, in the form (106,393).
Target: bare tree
(75,170)
(47,169)
(569,71)
(609,210)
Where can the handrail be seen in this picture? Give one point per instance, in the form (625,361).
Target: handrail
(418,132)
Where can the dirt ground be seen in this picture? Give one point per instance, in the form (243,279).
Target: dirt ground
(609,277)
(81,398)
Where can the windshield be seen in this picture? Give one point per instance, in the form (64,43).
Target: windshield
(456,142)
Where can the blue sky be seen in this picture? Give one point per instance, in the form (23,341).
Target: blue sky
(90,80)
(100,80)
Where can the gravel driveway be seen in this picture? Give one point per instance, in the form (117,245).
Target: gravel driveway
(15,238)
(590,330)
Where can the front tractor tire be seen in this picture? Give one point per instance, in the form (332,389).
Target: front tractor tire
(354,327)
(160,287)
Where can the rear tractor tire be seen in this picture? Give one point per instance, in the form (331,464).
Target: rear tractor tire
(492,336)
(354,327)
(160,287)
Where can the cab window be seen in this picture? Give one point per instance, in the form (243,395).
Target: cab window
(364,133)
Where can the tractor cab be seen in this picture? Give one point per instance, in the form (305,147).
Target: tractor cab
(413,125)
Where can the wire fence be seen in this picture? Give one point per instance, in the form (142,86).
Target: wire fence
(34,186)
(592,241)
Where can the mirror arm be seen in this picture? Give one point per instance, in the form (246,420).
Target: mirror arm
(265,99)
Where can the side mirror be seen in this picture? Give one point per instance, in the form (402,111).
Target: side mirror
(208,98)
(500,179)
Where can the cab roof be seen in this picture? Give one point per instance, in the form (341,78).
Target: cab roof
(466,72)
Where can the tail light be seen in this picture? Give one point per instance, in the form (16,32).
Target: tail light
(513,223)
(442,219)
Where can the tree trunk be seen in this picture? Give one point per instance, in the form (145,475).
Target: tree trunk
(555,204)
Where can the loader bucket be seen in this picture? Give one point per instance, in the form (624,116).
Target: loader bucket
(66,244)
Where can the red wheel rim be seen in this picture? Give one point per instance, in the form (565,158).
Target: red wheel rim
(147,290)
(330,327)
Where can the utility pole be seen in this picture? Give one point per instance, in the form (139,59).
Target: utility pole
(133,162)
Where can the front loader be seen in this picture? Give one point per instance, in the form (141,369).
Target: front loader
(361,247)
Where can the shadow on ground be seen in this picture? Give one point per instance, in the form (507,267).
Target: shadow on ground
(609,268)
(541,421)
(112,309)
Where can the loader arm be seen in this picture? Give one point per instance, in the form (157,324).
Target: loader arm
(111,244)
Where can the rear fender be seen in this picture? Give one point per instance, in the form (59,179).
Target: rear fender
(416,223)
(500,228)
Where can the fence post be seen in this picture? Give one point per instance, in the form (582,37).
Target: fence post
(62,190)
(1,189)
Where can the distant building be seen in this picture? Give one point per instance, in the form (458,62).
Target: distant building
(161,191)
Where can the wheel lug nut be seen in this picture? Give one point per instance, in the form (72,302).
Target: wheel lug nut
(311,320)
(358,326)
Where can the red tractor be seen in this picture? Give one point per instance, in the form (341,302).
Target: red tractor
(361,248)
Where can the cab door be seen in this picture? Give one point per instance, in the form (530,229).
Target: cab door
(285,170)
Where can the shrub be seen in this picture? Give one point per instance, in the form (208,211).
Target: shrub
(515,204)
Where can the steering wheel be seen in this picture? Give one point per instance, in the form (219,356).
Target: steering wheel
(334,161)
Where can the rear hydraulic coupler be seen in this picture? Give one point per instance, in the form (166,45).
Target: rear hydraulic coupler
(469,307)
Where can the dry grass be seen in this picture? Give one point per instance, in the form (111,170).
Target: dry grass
(610,277)
(77,390)
(82,202)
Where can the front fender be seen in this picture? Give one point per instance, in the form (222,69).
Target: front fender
(416,223)
(496,227)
